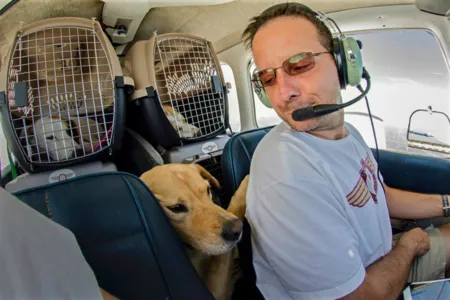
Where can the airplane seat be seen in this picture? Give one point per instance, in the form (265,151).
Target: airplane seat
(123,234)
(236,160)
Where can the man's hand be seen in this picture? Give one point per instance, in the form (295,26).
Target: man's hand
(415,240)
(386,278)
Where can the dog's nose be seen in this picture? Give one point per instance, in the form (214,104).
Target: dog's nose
(232,230)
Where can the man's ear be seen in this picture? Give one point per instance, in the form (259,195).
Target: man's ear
(206,175)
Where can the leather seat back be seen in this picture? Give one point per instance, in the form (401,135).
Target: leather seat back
(236,160)
(237,156)
(123,233)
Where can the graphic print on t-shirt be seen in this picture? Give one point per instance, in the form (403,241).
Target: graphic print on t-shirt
(366,186)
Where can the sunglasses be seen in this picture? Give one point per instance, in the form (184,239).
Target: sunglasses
(295,65)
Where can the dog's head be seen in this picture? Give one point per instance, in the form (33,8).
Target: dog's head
(54,136)
(179,123)
(184,192)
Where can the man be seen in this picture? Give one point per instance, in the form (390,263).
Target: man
(40,259)
(319,215)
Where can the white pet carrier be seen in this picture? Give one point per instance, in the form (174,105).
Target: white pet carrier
(61,94)
(180,93)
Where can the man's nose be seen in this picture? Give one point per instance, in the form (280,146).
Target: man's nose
(288,86)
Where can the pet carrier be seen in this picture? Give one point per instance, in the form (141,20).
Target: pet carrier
(180,94)
(62,96)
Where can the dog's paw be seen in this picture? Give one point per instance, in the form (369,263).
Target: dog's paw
(242,190)
(238,201)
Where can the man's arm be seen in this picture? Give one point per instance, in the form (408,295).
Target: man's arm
(386,278)
(410,205)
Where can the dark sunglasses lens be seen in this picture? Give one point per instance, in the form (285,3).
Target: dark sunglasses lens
(299,63)
(267,77)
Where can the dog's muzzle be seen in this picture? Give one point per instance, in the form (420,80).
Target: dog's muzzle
(232,230)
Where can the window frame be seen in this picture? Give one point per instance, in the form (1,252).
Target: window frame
(222,62)
(7,6)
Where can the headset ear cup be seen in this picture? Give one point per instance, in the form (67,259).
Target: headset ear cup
(340,62)
(353,61)
(262,96)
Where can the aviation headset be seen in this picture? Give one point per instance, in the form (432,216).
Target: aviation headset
(346,52)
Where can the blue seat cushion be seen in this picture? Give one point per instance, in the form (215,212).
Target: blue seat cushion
(236,159)
(237,156)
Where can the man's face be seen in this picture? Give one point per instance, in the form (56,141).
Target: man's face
(279,40)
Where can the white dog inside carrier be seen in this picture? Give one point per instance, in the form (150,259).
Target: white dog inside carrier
(63,93)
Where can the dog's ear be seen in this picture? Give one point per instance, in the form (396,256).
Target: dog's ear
(158,197)
(206,175)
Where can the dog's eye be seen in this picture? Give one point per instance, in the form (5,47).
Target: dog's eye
(178,208)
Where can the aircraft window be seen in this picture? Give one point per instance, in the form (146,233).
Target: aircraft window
(233,103)
(409,72)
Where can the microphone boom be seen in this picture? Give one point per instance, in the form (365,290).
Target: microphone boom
(303,114)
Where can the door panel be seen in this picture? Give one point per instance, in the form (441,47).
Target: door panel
(421,174)
(415,173)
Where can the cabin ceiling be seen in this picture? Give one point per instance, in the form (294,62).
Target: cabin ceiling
(221,24)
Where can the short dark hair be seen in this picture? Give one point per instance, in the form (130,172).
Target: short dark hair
(287,10)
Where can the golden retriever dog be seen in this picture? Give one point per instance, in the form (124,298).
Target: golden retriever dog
(209,231)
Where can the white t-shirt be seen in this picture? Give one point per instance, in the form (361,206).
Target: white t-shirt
(40,259)
(318,214)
